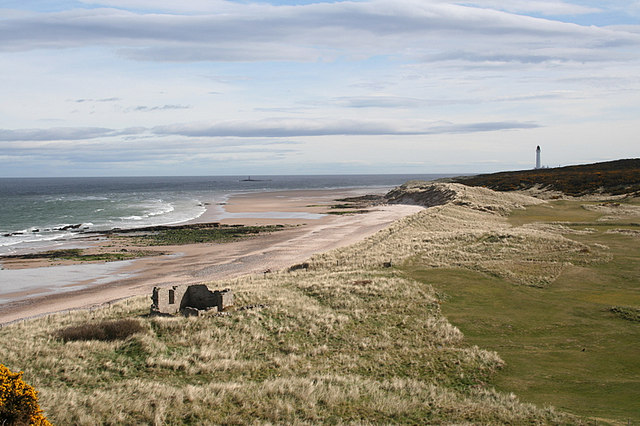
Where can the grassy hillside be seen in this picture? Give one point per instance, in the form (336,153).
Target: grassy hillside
(612,177)
(356,346)
(537,284)
(573,343)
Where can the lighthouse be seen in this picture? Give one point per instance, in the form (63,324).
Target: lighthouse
(538,157)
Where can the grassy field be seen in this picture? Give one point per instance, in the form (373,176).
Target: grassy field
(562,344)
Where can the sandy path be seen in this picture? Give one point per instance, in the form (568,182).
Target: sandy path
(208,262)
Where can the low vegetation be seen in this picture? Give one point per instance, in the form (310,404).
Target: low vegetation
(344,346)
(80,255)
(355,205)
(627,312)
(358,334)
(612,177)
(103,330)
(194,235)
(469,231)
(347,212)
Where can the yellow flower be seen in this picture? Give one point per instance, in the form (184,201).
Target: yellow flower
(18,400)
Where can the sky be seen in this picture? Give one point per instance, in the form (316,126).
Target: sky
(219,87)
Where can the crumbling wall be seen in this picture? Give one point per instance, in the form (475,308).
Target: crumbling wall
(223,298)
(169,300)
(189,299)
(200,297)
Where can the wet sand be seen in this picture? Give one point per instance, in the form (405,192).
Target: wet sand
(309,232)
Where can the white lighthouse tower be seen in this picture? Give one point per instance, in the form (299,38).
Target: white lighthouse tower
(538,157)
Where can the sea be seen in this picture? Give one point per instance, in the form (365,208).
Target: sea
(42,213)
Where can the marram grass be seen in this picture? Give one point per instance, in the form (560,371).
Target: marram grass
(321,351)
(348,341)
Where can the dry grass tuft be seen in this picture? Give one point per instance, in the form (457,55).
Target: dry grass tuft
(631,232)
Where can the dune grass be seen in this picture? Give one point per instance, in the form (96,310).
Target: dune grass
(357,346)
(471,232)
(346,340)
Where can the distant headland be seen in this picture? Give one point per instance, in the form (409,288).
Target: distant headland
(611,177)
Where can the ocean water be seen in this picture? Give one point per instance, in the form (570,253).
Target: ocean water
(38,213)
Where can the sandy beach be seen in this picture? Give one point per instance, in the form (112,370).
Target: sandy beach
(308,230)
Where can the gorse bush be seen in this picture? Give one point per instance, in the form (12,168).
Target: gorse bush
(18,401)
(105,330)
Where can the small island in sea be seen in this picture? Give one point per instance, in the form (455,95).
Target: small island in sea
(509,298)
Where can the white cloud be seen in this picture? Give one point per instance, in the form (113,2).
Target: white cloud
(281,128)
(551,8)
(311,32)
(191,6)
(52,134)
(269,128)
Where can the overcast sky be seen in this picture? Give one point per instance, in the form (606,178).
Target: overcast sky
(216,87)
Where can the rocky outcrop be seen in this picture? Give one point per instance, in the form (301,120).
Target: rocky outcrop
(420,193)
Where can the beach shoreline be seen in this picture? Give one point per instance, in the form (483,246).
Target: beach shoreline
(307,230)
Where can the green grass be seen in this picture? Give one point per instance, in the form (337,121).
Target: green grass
(563,344)
(556,211)
(181,236)
(347,212)
(79,255)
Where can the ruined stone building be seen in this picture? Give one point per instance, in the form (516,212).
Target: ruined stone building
(195,299)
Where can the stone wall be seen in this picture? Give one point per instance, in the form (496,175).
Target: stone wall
(189,299)
(223,298)
(169,300)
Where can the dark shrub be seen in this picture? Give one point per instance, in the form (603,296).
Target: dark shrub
(105,330)
(627,312)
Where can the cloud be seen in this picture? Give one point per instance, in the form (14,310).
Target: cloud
(321,31)
(549,8)
(534,56)
(142,151)
(96,100)
(144,108)
(270,128)
(54,134)
(190,6)
(379,102)
(281,128)
(395,102)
